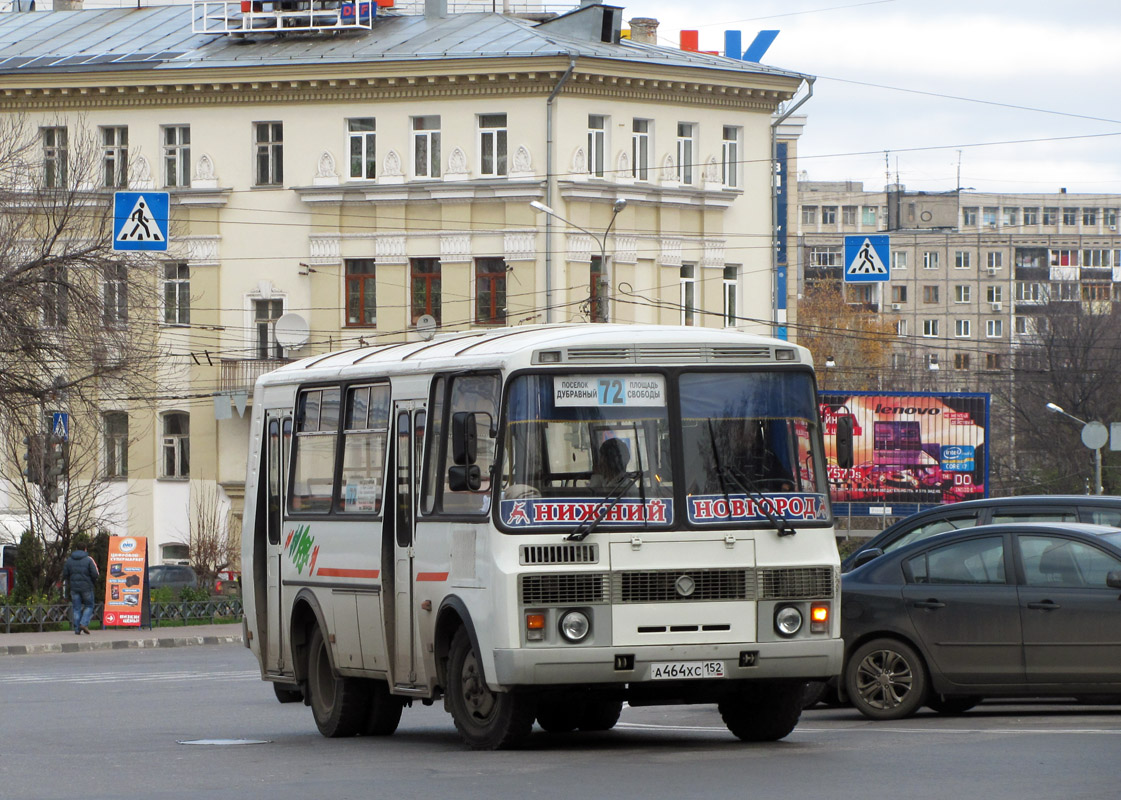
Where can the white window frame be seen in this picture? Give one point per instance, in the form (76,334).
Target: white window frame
(995,294)
(176,294)
(963,328)
(428,139)
(114,156)
(963,293)
(994,328)
(176,143)
(268,138)
(597,144)
(730,286)
(730,156)
(930,259)
(963,259)
(994,259)
(175,446)
(56,156)
(114,295)
(686,152)
(493,138)
(930,328)
(115,450)
(901,327)
(642,146)
(362,150)
(687,283)
(899,259)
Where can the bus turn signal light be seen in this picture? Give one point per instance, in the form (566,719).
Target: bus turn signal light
(534,627)
(819,618)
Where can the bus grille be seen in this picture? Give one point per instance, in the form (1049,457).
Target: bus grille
(796,583)
(681,585)
(574,553)
(581,587)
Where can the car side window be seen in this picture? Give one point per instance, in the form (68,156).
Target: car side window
(1102,516)
(1063,563)
(940,525)
(1027,515)
(975,561)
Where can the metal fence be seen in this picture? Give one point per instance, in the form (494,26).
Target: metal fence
(37,617)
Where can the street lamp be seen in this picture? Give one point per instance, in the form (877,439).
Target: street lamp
(1094,435)
(616,208)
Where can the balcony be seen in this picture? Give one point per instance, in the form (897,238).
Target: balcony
(239,375)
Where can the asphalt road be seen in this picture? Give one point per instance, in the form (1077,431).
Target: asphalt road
(113,724)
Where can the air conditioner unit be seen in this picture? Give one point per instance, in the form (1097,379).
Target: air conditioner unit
(991,270)
(996,306)
(896,306)
(1113,228)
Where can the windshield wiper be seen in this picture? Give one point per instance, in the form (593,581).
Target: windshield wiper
(603,508)
(781,523)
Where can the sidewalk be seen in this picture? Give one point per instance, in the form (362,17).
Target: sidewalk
(16,644)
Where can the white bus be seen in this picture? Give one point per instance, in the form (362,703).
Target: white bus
(540,524)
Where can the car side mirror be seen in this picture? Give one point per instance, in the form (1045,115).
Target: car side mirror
(864,556)
(1113,579)
(844,442)
(465,438)
(465,478)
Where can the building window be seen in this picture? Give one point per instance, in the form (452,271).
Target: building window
(490,291)
(994,361)
(114,157)
(640,149)
(56,297)
(1109,217)
(176,461)
(848,215)
(731,289)
(362,141)
(730,157)
(995,294)
(827,256)
(114,292)
(1070,216)
(1010,216)
(597,291)
(994,328)
(899,361)
(1050,216)
(868,217)
(426,147)
(1097,258)
(901,327)
(55,157)
(994,259)
(961,360)
(1027,292)
(597,144)
(963,328)
(1096,291)
(988,217)
(930,259)
(1021,326)
(361,296)
(270,153)
(963,293)
(265,315)
(969,217)
(809,215)
(425,281)
(1064,291)
(686,131)
(688,294)
(929,327)
(963,259)
(899,259)
(115,425)
(828,215)
(177,293)
(177,155)
(1089,216)
(899,294)
(1031,216)
(930,294)
(492,145)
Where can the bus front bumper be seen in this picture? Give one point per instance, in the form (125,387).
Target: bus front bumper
(545,666)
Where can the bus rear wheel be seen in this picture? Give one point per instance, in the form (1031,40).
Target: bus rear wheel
(485,719)
(340,705)
(385,710)
(600,715)
(764,716)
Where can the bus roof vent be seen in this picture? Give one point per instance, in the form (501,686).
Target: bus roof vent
(575,553)
(672,353)
(593,355)
(741,353)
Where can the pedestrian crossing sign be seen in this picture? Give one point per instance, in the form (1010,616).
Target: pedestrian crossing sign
(140,220)
(866,259)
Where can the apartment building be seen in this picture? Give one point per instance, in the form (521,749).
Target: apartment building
(358,178)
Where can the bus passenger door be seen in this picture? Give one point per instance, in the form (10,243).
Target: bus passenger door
(408,425)
(278,427)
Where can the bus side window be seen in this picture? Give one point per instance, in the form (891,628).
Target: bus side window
(365,440)
(313,466)
(478,395)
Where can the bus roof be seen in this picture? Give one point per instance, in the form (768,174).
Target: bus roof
(584,344)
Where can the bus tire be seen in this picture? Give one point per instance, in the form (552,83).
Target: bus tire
(765,716)
(340,705)
(486,720)
(385,710)
(559,715)
(287,693)
(600,715)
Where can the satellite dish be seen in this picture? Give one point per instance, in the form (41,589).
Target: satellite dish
(291,331)
(426,326)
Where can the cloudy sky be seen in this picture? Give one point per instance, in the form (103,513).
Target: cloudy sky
(1029,91)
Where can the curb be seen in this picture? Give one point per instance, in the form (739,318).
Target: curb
(116,644)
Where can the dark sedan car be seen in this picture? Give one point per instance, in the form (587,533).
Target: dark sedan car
(1027,609)
(1096,509)
(173,576)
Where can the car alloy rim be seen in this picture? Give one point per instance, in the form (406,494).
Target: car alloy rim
(884,679)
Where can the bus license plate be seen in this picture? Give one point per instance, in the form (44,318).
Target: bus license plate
(686,670)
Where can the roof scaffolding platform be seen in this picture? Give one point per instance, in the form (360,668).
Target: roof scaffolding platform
(284,16)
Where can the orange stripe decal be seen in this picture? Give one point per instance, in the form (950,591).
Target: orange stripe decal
(432,576)
(332,572)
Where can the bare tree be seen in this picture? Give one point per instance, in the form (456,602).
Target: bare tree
(213,542)
(78,330)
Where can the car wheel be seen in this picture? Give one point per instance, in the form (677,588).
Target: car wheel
(601,715)
(485,719)
(385,710)
(886,679)
(287,693)
(340,705)
(958,704)
(766,716)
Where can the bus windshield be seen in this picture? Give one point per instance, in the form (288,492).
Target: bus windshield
(583,449)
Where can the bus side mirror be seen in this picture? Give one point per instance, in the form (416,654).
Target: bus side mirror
(465,439)
(465,478)
(844,442)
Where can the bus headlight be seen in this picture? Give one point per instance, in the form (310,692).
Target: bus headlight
(575,626)
(788,621)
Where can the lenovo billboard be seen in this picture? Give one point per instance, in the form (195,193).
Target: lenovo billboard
(910,450)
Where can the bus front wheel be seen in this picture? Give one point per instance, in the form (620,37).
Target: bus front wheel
(485,719)
(340,705)
(764,716)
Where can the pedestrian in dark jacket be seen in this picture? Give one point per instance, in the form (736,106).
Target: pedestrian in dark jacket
(82,574)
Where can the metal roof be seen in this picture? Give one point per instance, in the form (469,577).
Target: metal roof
(161,38)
